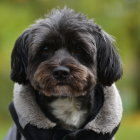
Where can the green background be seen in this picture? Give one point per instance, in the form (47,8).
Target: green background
(119,18)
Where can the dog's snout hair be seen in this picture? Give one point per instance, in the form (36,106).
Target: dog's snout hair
(75,84)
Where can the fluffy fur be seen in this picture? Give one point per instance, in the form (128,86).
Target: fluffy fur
(65,66)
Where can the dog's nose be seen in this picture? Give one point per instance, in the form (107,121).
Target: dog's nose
(61,72)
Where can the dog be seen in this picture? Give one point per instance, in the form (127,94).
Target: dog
(65,67)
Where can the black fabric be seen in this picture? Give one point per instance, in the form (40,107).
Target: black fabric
(90,135)
(46,134)
(31,132)
(95,104)
(16,120)
(18,136)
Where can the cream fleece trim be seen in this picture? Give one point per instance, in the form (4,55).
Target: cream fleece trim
(110,114)
(27,109)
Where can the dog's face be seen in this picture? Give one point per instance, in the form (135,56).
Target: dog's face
(65,54)
(62,63)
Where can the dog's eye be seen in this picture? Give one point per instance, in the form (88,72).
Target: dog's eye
(46,48)
(77,50)
(82,55)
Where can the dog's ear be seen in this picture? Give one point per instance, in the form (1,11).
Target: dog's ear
(19,59)
(109,67)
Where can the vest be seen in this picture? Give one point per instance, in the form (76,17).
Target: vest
(103,125)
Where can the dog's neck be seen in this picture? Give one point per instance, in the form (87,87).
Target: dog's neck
(68,112)
(71,112)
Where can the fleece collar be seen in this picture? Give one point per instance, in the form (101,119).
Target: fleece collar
(27,109)
(105,121)
(110,114)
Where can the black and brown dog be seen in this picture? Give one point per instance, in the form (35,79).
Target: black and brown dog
(65,67)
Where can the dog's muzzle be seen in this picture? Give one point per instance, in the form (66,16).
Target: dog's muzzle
(63,79)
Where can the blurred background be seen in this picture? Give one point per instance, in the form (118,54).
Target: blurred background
(120,18)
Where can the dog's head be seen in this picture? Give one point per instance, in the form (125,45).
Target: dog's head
(65,54)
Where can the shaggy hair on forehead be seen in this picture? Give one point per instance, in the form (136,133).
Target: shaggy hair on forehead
(65,67)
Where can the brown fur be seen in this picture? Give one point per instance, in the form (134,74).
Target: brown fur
(76,84)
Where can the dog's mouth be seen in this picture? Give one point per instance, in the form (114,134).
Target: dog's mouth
(76,84)
(62,89)
(62,83)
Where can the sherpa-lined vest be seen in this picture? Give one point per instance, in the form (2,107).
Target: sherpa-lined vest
(32,124)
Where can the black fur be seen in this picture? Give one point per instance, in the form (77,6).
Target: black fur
(71,40)
(108,62)
(109,67)
(90,135)
(19,59)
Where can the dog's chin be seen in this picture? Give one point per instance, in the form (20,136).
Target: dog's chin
(62,90)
